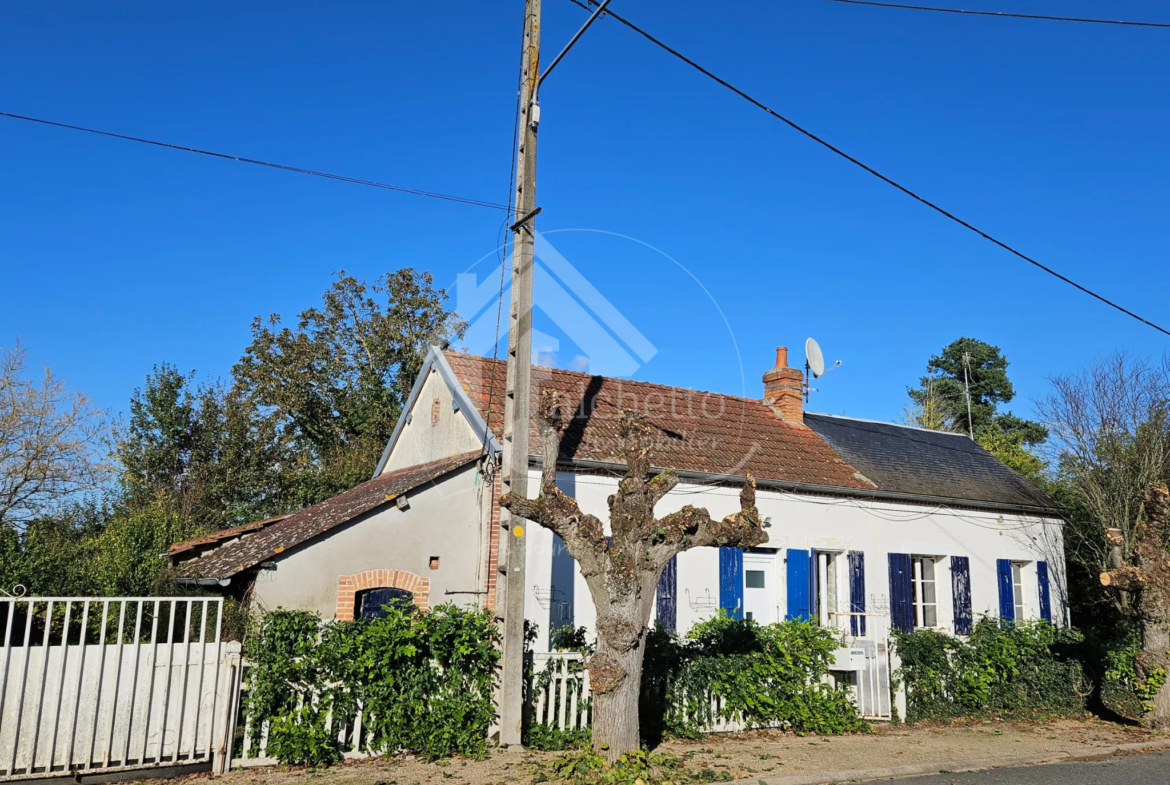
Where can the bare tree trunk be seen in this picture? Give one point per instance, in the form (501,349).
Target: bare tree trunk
(615,670)
(1154,662)
(615,674)
(1149,579)
(622,569)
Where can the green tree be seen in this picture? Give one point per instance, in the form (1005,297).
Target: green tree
(207,453)
(940,403)
(984,368)
(336,384)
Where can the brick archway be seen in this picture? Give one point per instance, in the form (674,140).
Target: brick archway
(349,585)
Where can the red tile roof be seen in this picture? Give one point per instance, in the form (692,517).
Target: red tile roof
(294,529)
(697,431)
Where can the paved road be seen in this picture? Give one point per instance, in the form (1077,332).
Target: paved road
(1143,769)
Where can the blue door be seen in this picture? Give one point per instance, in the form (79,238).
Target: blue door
(668,595)
(799,607)
(731,581)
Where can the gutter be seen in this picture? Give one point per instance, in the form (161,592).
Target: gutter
(875,494)
(221,582)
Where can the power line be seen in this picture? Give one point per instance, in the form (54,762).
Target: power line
(792,124)
(241,159)
(1003,13)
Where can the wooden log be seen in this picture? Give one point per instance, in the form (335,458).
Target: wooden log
(1124,579)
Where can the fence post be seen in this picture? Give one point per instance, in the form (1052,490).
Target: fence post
(228,705)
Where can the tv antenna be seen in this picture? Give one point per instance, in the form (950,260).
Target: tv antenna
(814,365)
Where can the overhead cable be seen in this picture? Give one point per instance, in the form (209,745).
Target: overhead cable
(1007,14)
(795,126)
(285,167)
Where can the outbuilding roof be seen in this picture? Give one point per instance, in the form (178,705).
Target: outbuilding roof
(258,544)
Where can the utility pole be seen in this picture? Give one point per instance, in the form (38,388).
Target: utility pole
(517,399)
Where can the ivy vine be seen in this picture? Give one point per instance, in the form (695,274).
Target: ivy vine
(423,681)
(1025,670)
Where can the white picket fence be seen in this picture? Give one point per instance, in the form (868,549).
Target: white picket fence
(560,699)
(560,696)
(255,747)
(116,683)
(562,702)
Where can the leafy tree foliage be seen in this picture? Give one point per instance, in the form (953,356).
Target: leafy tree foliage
(335,385)
(303,417)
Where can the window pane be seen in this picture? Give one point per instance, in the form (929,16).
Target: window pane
(929,616)
(927,569)
(928,595)
(754,579)
(1017,579)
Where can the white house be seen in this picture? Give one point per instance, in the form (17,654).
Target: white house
(870,525)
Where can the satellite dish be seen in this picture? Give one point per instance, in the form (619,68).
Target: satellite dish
(814,358)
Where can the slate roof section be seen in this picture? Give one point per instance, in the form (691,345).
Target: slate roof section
(929,463)
(695,431)
(254,548)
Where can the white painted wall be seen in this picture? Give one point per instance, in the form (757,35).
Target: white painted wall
(824,523)
(420,441)
(444,519)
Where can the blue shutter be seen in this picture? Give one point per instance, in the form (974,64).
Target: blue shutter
(1042,580)
(1007,608)
(668,595)
(857,592)
(901,592)
(961,591)
(798,585)
(731,581)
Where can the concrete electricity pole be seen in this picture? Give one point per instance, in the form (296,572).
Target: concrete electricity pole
(517,399)
(518,392)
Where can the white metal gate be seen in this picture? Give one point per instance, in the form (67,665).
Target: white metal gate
(114,683)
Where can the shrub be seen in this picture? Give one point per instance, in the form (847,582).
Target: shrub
(1021,670)
(763,676)
(424,681)
(1123,690)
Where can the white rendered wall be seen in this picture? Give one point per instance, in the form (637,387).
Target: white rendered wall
(443,519)
(823,523)
(420,441)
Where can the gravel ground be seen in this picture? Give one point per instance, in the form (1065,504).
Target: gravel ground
(749,755)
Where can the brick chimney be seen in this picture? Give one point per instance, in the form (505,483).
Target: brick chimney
(784,390)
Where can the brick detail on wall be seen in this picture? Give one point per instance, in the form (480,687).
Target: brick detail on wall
(493,557)
(349,585)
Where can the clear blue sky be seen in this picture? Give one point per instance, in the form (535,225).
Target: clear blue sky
(116,256)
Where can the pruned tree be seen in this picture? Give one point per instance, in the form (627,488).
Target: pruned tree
(49,442)
(1145,574)
(622,570)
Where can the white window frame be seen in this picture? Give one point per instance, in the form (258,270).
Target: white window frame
(828,599)
(1018,594)
(920,604)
